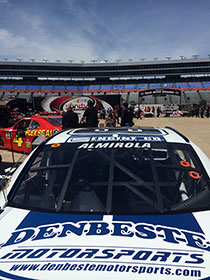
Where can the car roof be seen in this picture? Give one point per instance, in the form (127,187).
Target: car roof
(46,116)
(166,134)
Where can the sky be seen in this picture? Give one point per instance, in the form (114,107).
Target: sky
(88,30)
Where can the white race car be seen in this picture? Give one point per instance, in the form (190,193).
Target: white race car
(108,203)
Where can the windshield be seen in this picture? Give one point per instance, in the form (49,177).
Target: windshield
(114,178)
(55,121)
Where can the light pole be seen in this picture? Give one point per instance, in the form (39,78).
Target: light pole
(142,59)
(45,60)
(118,60)
(19,59)
(182,57)
(168,57)
(70,60)
(6,59)
(94,60)
(32,59)
(155,58)
(130,59)
(58,60)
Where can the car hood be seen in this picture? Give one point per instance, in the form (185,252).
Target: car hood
(36,245)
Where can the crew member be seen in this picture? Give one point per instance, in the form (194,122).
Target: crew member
(126,116)
(90,115)
(70,119)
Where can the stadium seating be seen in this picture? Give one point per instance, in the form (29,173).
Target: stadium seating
(153,86)
(206,85)
(6,88)
(83,89)
(33,88)
(117,88)
(130,88)
(58,89)
(168,85)
(106,88)
(71,89)
(46,89)
(182,86)
(93,88)
(195,86)
(142,87)
(19,88)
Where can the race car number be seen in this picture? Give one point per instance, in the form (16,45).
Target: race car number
(18,140)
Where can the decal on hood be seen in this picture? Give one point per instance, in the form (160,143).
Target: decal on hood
(164,244)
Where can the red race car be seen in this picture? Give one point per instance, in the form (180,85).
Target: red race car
(21,136)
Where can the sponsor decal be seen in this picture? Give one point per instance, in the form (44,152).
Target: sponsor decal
(117,138)
(119,228)
(182,255)
(114,145)
(18,140)
(44,132)
(7,134)
(28,143)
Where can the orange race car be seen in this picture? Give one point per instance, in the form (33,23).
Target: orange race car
(21,136)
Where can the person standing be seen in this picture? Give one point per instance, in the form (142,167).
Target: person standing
(158,111)
(90,115)
(202,109)
(207,111)
(126,116)
(70,119)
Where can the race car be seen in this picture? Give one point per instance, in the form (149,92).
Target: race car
(108,203)
(21,136)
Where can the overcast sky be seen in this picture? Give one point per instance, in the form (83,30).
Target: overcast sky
(85,30)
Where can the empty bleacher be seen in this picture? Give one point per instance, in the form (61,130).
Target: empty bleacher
(46,88)
(195,86)
(192,91)
(33,88)
(183,86)
(106,88)
(71,89)
(118,88)
(141,87)
(153,86)
(130,88)
(83,89)
(167,85)
(7,88)
(93,88)
(20,88)
(206,85)
(59,89)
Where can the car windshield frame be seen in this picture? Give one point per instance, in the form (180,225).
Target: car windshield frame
(55,121)
(151,180)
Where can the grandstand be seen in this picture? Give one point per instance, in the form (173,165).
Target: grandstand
(129,79)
